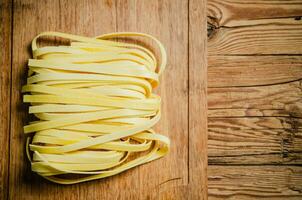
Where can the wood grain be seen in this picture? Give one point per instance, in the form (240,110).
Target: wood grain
(285,96)
(254,99)
(264,27)
(31,18)
(255,182)
(178,175)
(254,146)
(232,71)
(5,86)
(172,31)
(243,123)
(260,39)
(288,111)
(234,13)
(197,100)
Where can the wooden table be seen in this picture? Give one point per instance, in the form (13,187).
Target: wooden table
(182,29)
(250,94)
(255,99)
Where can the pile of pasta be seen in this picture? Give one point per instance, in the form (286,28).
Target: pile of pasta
(94,107)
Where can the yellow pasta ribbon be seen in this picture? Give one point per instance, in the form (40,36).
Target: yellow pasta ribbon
(94,106)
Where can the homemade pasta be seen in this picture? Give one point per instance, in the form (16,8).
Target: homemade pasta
(94,106)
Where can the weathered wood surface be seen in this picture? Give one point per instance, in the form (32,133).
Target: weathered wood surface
(254,99)
(255,27)
(254,140)
(228,71)
(232,13)
(255,182)
(181,26)
(229,145)
(257,39)
(286,97)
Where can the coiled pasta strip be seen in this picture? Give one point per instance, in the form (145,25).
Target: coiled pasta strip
(95,107)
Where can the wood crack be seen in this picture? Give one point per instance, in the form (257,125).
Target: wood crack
(169,180)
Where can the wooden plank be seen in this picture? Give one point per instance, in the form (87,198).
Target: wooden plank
(242,12)
(246,112)
(82,18)
(169,175)
(254,146)
(255,104)
(197,100)
(264,27)
(250,118)
(5,85)
(85,17)
(255,182)
(229,71)
(258,39)
(246,123)
(286,97)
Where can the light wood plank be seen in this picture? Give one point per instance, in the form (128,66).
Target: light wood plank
(5,85)
(254,40)
(163,178)
(233,13)
(197,100)
(85,17)
(286,97)
(255,182)
(82,18)
(229,71)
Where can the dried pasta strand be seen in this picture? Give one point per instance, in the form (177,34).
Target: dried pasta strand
(95,107)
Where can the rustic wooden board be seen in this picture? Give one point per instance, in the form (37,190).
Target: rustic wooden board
(228,71)
(255,182)
(181,26)
(5,82)
(292,110)
(234,13)
(257,39)
(254,99)
(255,27)
(270,97)
(253,146)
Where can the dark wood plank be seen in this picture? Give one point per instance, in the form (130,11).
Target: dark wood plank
(255,182)
(5,92)
(259,123)
(229,71)
(197,100)
(233,13)
(247,112)
(230,146)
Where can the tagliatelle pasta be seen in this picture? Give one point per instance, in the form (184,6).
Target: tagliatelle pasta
(95,107)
